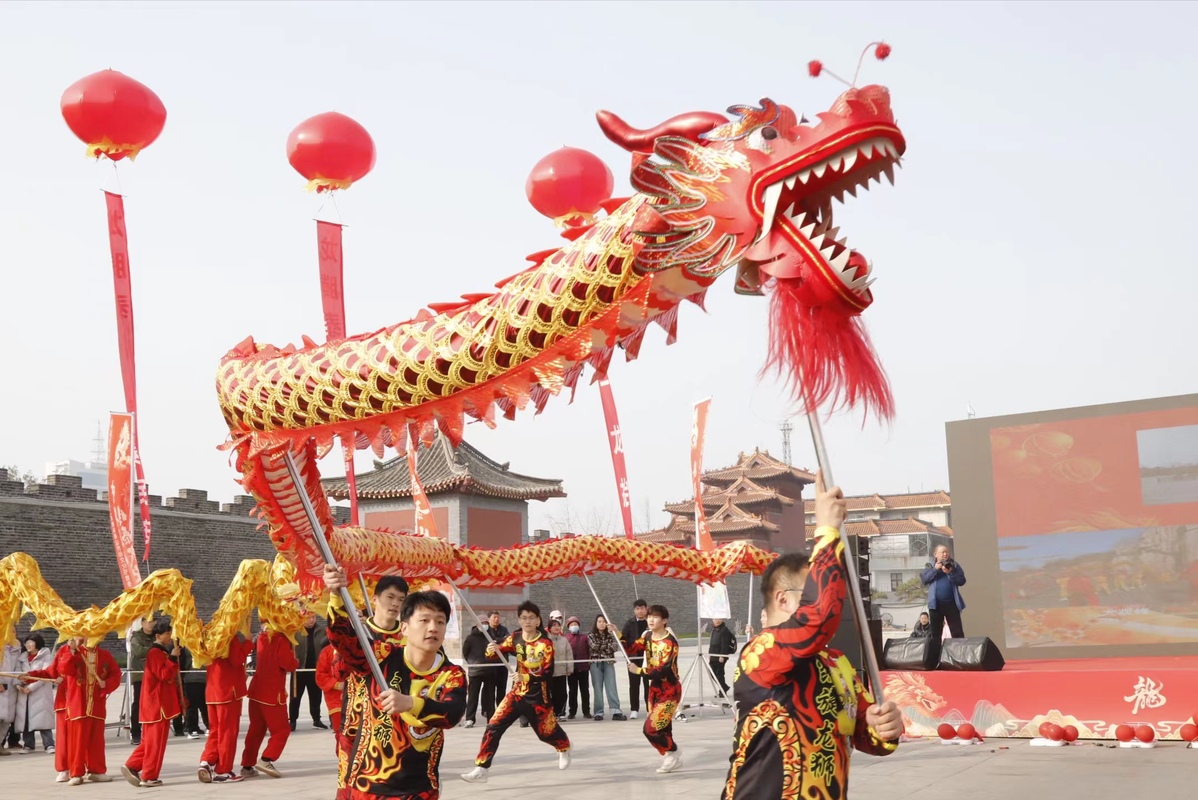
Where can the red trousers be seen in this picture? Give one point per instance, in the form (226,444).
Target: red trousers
(85,747)
(62,751)
(224,722)
(265,718)
(146,758)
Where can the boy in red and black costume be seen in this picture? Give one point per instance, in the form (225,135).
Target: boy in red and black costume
(398,747)
(224,691)
(800,706)
(529,697)
(159,705)
(91,674)
(274,658)
(665,692)
(330,677)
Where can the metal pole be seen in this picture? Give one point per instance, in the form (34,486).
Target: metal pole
(699,627)
(603,611)
(365,592)
(871,658)
(466,603)
(749,612)
(326,552)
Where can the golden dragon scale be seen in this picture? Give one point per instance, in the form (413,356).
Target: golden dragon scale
(753,192)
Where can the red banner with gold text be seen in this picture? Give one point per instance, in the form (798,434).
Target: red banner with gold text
(422,512)
(120,496)
(118,243)
(615,440)
(698,430)
(332,294)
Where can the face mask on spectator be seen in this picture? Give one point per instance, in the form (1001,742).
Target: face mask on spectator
(573,629)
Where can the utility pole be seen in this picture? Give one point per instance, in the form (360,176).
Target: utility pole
(98,445)
(786,429)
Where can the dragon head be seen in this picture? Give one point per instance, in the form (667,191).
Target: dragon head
(756,192)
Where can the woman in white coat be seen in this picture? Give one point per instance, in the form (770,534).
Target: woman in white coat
(10,658)
(35,701)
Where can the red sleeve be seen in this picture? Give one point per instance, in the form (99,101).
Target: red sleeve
(285,653)
(161,665)
(325,678)
(508,645)
(114,672)
(637,645)
(773,651)
(343,638)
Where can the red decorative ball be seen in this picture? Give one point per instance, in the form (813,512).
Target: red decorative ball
(1071,733)
(113,114)
(1145,733)
(1125,733)
(569,183)
(967,731)
(814,68)
(946,731)
(1056,733)
(1044,728)
(882,50)
(1189,732)
(331,150)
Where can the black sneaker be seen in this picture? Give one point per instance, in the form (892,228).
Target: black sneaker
(318,724)
(292,725)
(228,777)
(249,772)
(598,718)
(619,717)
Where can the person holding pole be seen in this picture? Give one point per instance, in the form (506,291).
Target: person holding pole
(159,704)
(800,706)
(660,649)
(273,659)
(224,689)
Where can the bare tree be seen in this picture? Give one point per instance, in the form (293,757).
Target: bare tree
(13,473)
(593,520)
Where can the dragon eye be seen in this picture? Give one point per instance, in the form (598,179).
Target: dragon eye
(769,133)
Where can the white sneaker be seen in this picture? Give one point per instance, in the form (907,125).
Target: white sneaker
(76,781)
(563,759)
(476,775)
(468,723)
(98,777)
(671,761)
(633,715)
(63,777)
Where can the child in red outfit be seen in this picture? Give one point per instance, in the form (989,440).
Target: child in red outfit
(330,677)
(90,675)
(56,671)
(159,705)
(224,692)
(268,704)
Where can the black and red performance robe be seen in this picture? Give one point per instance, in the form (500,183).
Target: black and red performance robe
(355,698)
(799,705)
(528,698)
(400,755)
(665,691)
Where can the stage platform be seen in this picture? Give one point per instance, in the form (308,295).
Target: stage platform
(1095,694)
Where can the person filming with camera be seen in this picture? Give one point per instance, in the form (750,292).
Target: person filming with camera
(944,580)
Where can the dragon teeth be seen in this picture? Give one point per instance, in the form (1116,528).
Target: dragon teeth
(820,168)
(804,176)
(849,160)
(772,194)
(790,182)
(841,261)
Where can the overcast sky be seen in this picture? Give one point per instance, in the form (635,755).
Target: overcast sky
(1032,255)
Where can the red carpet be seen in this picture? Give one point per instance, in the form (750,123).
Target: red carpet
(1094,694)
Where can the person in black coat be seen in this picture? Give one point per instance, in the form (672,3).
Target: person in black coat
(633,630)
(474,651)
(494,679)
(720,645)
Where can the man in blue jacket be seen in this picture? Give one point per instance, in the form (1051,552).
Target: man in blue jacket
(944,579)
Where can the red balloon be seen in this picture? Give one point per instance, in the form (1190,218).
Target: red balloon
(569,183)
(113,114)
(1044,728)
(1071,733)
(1056,733)
(331,150)
(1188,732)
(1125,733)
(946,731)
(1145,733)
(967,731)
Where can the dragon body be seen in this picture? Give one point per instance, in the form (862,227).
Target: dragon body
(753,193)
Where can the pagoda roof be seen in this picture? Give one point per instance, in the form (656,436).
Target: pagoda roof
(881,527)
(742,492)
(728,519)
(882,502)
(758,465)
(442,467)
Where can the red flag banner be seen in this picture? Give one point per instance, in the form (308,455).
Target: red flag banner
(332,295)
(615,440)
(118,243)
(120,496)
(347,453)
(424,525)
(698,429)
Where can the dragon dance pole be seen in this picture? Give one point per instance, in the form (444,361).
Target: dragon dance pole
(871,658)
(326,552)
(466,603)
(603,611)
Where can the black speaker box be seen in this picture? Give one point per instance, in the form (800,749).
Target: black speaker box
(909,654)
(971,654)
(847,641)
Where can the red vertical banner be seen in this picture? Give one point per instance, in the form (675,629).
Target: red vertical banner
(332,295)
(698,430)
(424,523)
(615,440)
(120,496)
(118,243)
(347,453)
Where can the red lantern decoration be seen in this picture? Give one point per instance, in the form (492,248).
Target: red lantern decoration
(113,114)
(331,150)
(569,185)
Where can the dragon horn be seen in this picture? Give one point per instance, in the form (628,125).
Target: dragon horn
(688,126)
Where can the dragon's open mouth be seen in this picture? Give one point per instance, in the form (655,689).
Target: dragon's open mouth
(794,199)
